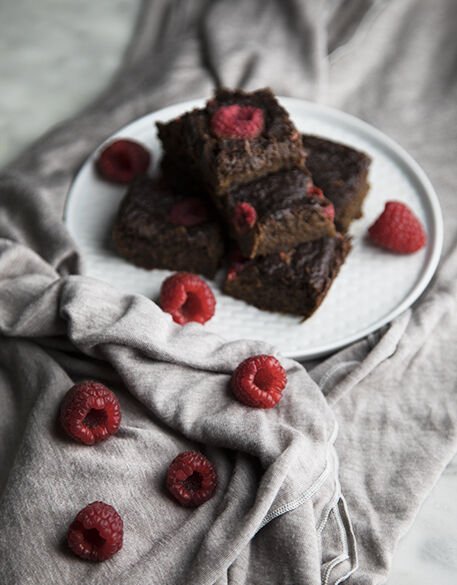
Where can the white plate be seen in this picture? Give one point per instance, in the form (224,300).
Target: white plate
(373,286)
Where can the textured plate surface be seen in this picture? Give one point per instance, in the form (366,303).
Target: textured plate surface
(373,286)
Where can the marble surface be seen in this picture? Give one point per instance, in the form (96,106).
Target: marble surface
(54,58)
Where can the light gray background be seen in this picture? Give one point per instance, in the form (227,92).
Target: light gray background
(55,57)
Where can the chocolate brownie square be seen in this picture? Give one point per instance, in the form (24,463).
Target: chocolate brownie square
(294,282)
(214,164)
(158,228)
(277,212)
(342,174)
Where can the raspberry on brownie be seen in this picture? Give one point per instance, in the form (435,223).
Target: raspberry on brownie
(342,174)
(294,282)
(277,212)
(158,228)
(236,138)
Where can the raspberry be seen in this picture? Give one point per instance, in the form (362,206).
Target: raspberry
(122,160)
(188,212)
(90,412)
(96,532)
(313,191)
(191,479)
(237,121)
(187,298)
(244,217)
(259,381)
(329,211)
(397,229)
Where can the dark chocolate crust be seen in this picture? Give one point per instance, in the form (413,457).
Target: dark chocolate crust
(342,174)
(216,164)
(290,282)
(286,214)
(144,235)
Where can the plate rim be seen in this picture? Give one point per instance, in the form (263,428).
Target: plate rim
(436,218)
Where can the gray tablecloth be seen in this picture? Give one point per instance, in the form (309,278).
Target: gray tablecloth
(288,492)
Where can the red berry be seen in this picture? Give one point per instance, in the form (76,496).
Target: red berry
(329,211)
(122,160)
(90,412)
(96,533)
(397,229)
(245,217)
(259,381)
(191,479)
(187,298)
(237,121)
(188,212)
(313,191)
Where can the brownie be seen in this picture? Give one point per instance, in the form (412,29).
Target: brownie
(282,213)
(289,282)
(158,228)
(213,164)
(342,174)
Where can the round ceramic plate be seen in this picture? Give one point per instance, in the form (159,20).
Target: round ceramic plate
(373,286)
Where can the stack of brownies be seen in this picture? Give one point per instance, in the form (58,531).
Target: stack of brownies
(239,183)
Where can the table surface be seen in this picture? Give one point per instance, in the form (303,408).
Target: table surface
(54,59)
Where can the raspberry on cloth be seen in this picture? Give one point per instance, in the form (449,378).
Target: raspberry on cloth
(259,381)
(191,479)
(96,534)
(90,412)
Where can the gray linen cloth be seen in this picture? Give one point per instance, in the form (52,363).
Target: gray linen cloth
(279,515)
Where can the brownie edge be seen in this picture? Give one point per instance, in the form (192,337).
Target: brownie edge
(145,236)
(293,282)
(342,173)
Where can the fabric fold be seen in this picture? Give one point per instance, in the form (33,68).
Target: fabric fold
(180,376)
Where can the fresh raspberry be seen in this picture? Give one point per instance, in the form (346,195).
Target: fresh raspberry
(313,191)
(122,160)
(397,229)
(244,217)
(259,381)
(191,479)
(329,211)
(187,298)
(96,532)
(90,412)
(188,212)
(237,121)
